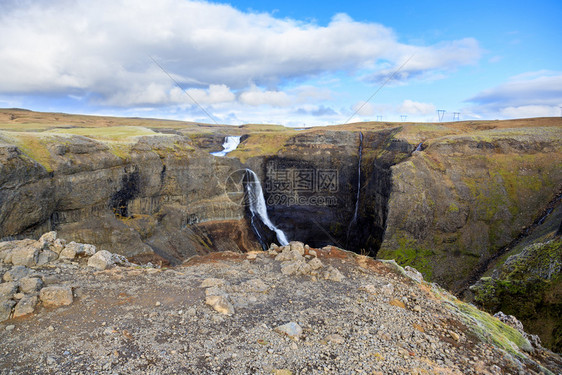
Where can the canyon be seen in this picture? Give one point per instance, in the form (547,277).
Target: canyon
(446,198)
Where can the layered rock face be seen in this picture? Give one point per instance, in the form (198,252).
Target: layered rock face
(152,195)
(454,205)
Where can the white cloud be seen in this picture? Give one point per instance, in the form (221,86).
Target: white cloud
(363,109)
(101,50)
(256,97)
(410,107)
(530,94)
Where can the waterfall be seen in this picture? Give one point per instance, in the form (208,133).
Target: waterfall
(419,148)
(355,213)
(230,144)
(258,207)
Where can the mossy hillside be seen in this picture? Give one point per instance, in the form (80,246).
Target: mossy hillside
(477,322)
(464,203)
(262,144)
(529,286)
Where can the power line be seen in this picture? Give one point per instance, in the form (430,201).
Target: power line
(440,114)
(185,91)
(379,89)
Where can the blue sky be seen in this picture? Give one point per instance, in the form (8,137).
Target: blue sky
(292,62)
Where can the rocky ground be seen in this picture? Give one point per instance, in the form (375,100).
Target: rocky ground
(291,310)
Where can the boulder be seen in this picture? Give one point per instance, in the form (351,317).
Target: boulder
(30,284)
(25,306)
(297,246)
(6,309)
(46,256)
(75,249)
(53,296)
(48,239)
(7,290)
(26,255)
(17,273)
(221,304)
(290,329)
(58,245)
(333,274)
(101,260)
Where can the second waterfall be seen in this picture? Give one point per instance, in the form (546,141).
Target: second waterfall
(258,209)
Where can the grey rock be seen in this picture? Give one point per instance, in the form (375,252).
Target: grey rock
(254,285)
(315,263)
(335,338)
(47,240)
(27,255)
(30,284)
(210,282)
(54,296)
(101,260)
(333,274)
(221,304)
(7,290)
(46,256)
(290,329)
(413,274)
(6,309)
(297,246)
(17,273)
(25,306)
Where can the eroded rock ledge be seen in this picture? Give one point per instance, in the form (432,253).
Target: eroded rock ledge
(289,310)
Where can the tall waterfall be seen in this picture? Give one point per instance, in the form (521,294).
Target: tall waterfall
(258,207)
(230,144)
(355,213)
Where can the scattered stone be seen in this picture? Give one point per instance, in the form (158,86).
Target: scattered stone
(252,256)
(221,304)
(210,282)
(6,309)
(282,372)
(290,329)
(312,252)
(295,267)
(454,335)
(417,308)
(58,245)
(254,285)
(54,296)
(315,263)
(30,284)
(47,240)
(75,249)
(510,320)
(10,328)
(46,257)
(158,304)
(413,274)
(369,288)
(297,246)
(335,338)
(333,274)
(16,273)
(101,260)
(25,306)
(387,289)
(7,290)
(18,296)
(26,256)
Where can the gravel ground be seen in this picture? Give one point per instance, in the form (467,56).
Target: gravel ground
(226,313)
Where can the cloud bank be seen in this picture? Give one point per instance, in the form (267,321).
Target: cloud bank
(533,94)
(102,51)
